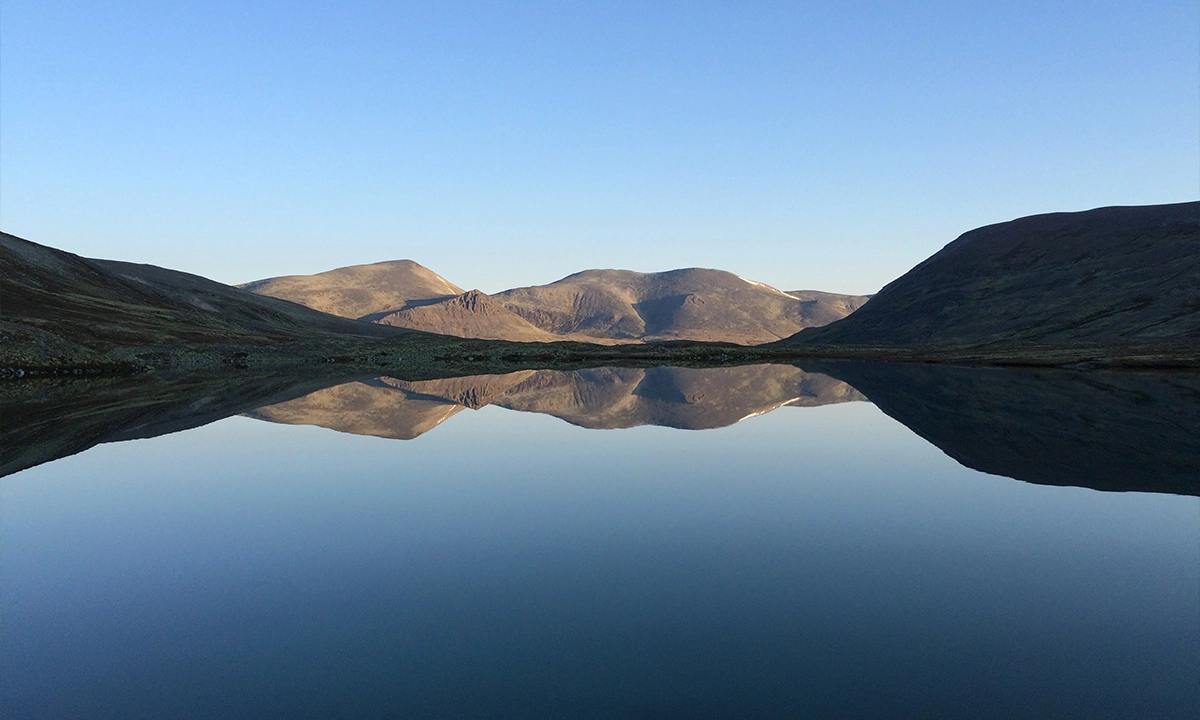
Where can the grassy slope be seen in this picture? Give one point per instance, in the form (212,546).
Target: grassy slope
(1113,281)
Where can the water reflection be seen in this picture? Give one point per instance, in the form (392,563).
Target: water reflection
(685,398)
(1115,431)
(1105,430)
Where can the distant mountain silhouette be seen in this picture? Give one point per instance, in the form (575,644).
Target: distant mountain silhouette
(1115,431)
(684,398)
(1111,278)
(360,291)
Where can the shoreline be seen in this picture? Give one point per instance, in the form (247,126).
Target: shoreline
(442,356)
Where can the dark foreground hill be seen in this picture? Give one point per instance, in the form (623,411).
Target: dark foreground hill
(1118,279)
(59,308)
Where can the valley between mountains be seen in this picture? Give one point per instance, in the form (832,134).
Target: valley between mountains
(1115,286)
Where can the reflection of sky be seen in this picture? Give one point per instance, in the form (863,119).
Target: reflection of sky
(508,560)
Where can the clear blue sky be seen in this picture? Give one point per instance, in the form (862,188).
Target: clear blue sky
(824,145)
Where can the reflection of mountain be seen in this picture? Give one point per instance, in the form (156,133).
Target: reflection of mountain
(1102,430)
(44,420)
(684,398)
(369,407)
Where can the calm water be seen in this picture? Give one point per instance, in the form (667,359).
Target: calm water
(815,559)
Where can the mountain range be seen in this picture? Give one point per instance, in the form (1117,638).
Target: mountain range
(598,306)
(1118,286)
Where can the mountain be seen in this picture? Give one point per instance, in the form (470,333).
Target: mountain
(691,304)
(63,309)
(360,291)
(601,398)
(603,306)
(1123,278)
(1113,431)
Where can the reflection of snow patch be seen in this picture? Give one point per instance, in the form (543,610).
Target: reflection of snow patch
(764,411)
(765,286)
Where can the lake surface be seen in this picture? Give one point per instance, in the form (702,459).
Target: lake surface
(805,553)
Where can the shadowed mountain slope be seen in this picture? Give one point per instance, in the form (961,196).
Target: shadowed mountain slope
(690,304)
(59,305)
(829,307)
(472,315)
(1114,431)
(360,291)
(1117,277)
(601,398)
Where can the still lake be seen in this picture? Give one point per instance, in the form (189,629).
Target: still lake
(816,558)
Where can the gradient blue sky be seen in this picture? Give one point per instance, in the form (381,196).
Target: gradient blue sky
(824,145)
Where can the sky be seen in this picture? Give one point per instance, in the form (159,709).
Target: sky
(808,145)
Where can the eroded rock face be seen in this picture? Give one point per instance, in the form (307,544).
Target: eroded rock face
(472,314)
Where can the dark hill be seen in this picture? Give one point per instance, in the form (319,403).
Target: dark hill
(1116,277)
(71,310)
